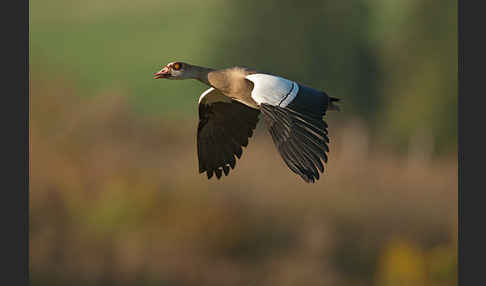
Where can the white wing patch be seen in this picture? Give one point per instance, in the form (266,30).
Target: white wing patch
(273,90)
(212,95)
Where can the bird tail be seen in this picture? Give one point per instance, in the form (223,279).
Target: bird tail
(332,105)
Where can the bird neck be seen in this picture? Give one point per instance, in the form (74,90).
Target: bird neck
(201,74)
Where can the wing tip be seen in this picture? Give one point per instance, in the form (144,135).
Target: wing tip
(303,149)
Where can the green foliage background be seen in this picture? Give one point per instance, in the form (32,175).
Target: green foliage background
(393,62)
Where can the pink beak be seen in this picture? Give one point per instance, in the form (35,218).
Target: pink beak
(163,73)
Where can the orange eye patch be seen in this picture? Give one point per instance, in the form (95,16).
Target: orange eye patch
(177,66)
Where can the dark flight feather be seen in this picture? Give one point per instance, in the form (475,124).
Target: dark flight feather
(301,139)
(224,127)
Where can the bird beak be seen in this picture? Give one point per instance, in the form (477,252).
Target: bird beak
(163,73)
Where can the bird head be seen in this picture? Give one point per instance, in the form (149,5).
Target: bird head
(174,70)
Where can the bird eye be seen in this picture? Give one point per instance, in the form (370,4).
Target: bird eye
(177,66)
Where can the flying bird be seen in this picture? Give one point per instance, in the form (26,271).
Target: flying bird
(229,112)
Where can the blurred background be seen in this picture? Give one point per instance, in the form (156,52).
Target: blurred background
(115,194)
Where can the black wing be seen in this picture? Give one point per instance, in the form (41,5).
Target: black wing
(224,126)
(301,139)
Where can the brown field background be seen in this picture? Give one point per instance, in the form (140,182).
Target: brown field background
(115,199)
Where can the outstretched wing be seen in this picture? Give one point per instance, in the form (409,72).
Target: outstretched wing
(293,114)
(300,139)
(224,127)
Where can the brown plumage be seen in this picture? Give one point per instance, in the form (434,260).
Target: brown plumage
(229,110)
(232,83)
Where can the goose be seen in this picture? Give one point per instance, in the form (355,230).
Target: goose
(229,112)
